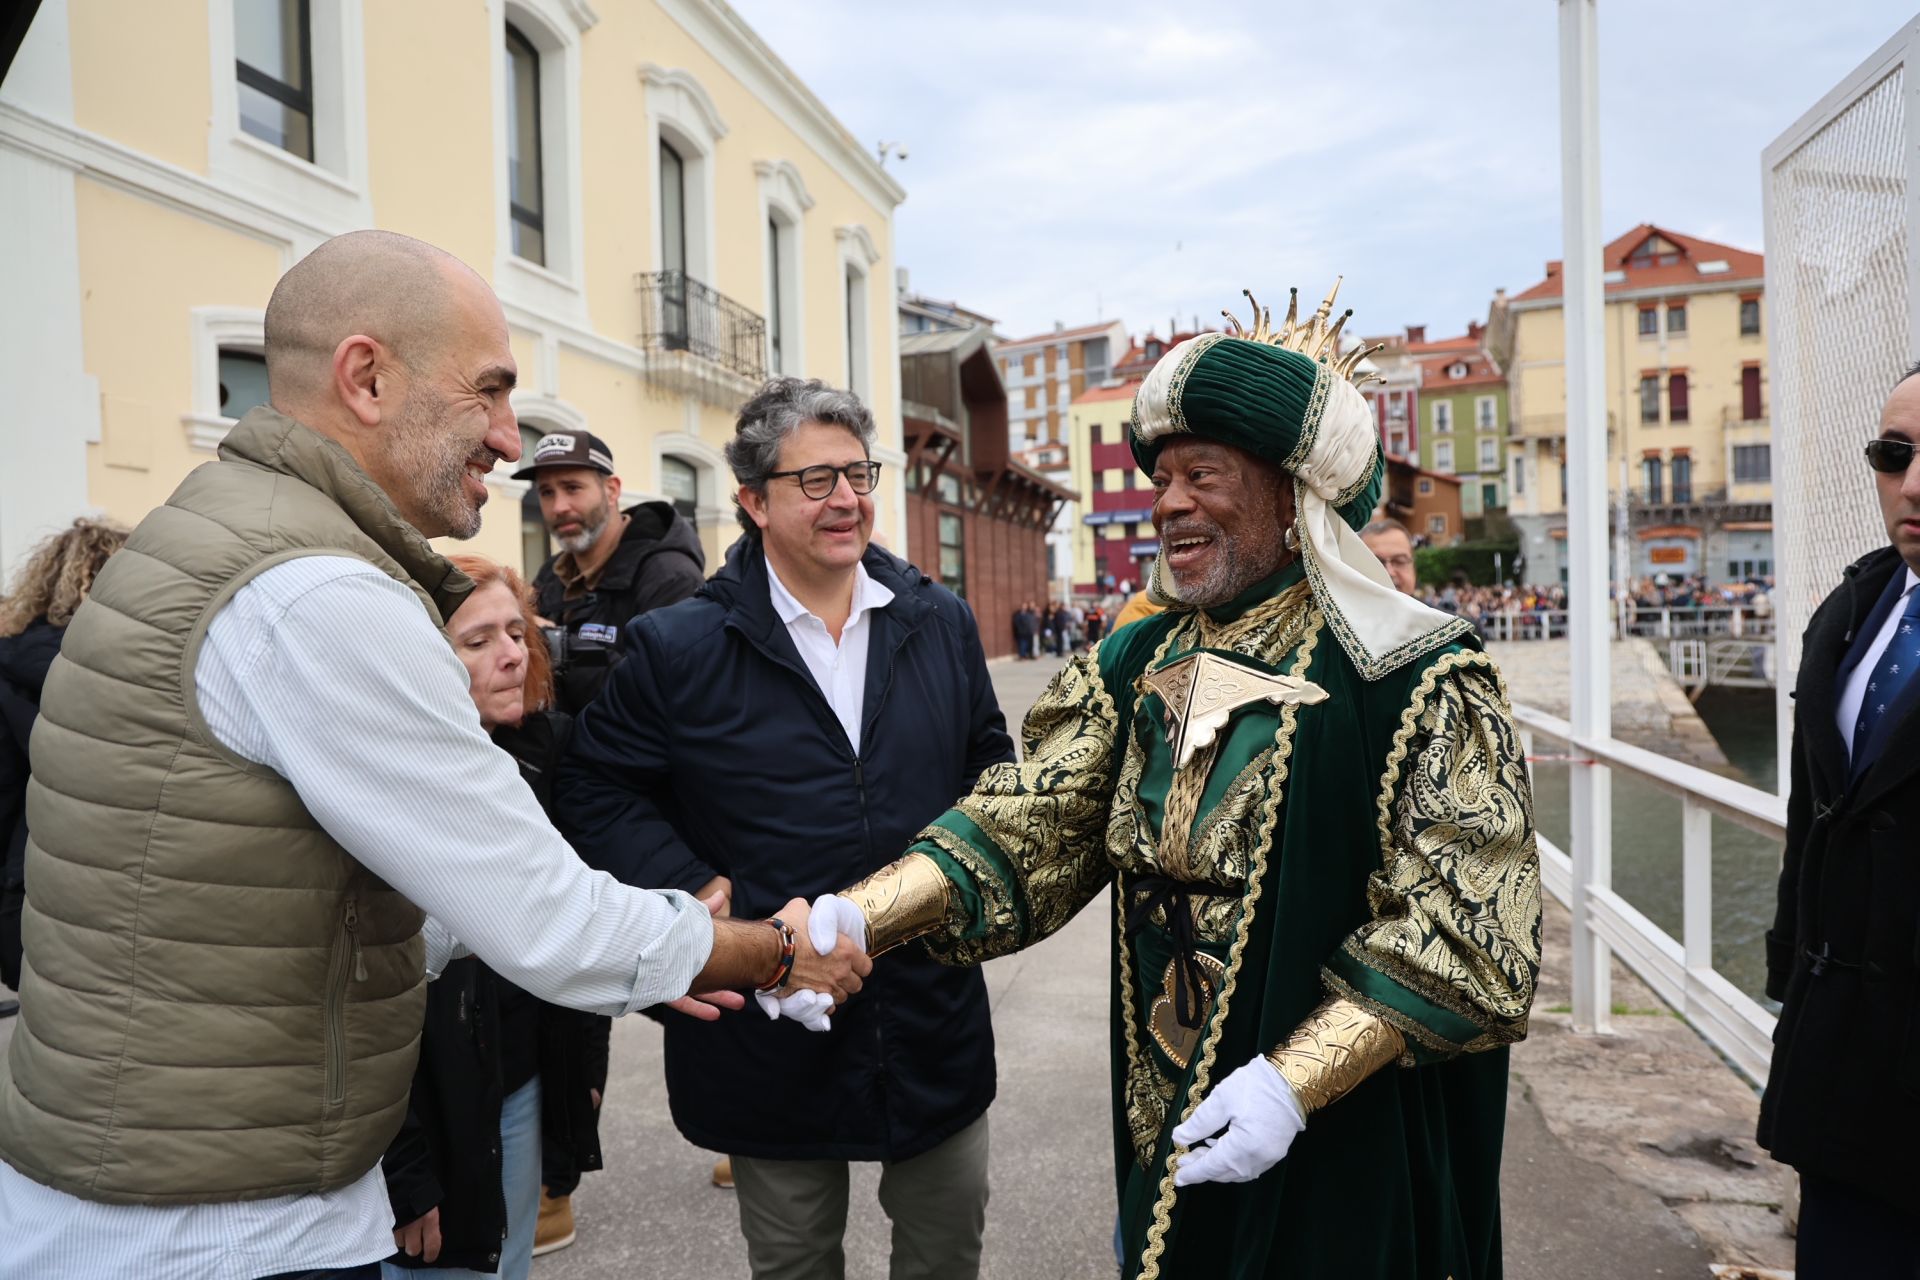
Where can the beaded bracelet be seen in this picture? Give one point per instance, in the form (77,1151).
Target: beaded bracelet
(785,969)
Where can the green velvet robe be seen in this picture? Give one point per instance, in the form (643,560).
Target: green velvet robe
(1377,845)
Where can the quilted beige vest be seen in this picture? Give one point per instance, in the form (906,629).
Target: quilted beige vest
(218,1003)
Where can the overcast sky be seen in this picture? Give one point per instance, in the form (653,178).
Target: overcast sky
(1141,160)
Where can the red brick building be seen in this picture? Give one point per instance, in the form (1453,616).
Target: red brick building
(977,518)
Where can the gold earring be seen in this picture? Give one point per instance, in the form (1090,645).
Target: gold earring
(1291,538)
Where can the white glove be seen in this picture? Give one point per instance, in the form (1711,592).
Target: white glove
(808,1008)
(832,915)
(1261,1116)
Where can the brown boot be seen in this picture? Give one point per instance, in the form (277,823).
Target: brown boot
(723,1173)
(554,1230)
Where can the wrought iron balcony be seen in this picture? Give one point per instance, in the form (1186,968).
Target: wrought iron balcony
(678,313)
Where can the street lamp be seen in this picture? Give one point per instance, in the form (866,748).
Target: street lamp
(898,150)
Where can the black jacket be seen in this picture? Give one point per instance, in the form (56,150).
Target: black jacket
(24,660)
(447,1154)
(658,562)
(1843,1094)
(712,752)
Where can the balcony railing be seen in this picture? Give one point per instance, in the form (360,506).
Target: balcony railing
(678,313)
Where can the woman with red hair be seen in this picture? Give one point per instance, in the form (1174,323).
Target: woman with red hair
(500,1072)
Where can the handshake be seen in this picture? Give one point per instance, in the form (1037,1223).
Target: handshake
(835,933)
(806,966)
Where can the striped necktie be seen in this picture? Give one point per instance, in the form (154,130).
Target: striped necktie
(1898,662)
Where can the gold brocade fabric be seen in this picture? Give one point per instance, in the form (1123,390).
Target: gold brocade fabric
(1456,907)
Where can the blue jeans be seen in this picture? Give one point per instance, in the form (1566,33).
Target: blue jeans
(519,1184)
(365,1271)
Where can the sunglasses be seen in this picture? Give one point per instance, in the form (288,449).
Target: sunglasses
(1890,456)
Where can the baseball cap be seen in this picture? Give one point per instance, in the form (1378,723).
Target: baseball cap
(568,449)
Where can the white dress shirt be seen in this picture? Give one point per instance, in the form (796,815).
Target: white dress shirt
(839,669)
(327,671)
(1847,713)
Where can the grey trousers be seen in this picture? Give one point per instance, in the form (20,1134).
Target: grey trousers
(794,1212)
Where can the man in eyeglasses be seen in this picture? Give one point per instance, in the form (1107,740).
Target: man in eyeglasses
(1843,1098)
(790,728)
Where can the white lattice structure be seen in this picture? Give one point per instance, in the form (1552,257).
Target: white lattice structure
(1843,279)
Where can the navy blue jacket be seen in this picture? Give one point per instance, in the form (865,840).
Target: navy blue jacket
(711,751)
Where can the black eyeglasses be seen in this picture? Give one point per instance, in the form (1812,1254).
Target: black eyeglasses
(819,482)
(1891,456)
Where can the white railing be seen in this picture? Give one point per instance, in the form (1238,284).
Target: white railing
(1651,622)
(1680,972)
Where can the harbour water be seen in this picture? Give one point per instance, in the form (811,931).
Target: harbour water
(1646,838)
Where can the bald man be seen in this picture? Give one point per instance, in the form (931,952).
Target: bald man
(257,774)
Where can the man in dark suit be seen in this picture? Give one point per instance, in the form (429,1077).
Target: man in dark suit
(1843,1098)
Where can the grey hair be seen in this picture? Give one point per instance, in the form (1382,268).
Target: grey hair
(776,411)
(1385,524)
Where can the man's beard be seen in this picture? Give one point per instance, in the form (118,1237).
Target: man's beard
(429,455)
(1238,562)
(591,523)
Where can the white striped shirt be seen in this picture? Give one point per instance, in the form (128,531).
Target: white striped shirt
(327,671)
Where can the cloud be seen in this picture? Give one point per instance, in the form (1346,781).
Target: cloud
(1144,161)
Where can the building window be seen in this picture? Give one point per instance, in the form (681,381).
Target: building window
(1486,412)
(1457,370)
(243,381)
(1650,467)
(534,545)
(680,482)
(1749,316)
(1437,525)
(673,209)
(1489,454)
(1649,398)
(1397,407)
(776,313)
(526,202)
(1676,317)
(273,64)
(1677,397)
(1093,359)
(1443,455)
(1750,410)
(953,554)
(1752,463)
(856,297)
(1683,479)
(1649,322)
(947,488)
(1425,486)
(1442,416)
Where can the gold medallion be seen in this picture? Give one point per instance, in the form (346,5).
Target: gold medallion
(1176,1041)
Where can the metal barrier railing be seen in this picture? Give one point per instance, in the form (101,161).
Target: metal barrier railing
(1647,622)
(1680,971)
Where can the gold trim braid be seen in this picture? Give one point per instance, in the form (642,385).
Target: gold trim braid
(1339,1045)
(902,901)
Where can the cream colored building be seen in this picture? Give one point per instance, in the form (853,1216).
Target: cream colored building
(665,210)
(1688,436)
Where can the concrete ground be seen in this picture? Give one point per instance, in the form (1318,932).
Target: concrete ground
(1650,709)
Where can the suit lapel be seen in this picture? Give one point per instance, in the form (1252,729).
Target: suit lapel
(1833,650)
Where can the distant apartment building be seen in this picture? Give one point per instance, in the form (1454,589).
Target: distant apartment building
(1114,542)
(1044,374)
(1688,441)
(1463,410)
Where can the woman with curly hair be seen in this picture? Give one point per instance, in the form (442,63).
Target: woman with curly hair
(33,616)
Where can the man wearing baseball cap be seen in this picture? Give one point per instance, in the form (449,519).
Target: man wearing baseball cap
(613,565)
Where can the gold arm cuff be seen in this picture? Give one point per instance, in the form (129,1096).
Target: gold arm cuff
(902,901)
(1339,1045)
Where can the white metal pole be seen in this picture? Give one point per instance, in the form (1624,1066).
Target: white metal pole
(1587,577)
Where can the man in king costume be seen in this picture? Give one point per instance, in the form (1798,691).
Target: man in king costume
(1309,795)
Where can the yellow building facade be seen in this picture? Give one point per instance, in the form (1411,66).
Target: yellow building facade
(666,212)
(1688,439)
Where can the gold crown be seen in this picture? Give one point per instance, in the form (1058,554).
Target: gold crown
(1314,337)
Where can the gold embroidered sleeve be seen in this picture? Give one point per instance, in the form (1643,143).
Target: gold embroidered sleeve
(1451,953)
(1026,849)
